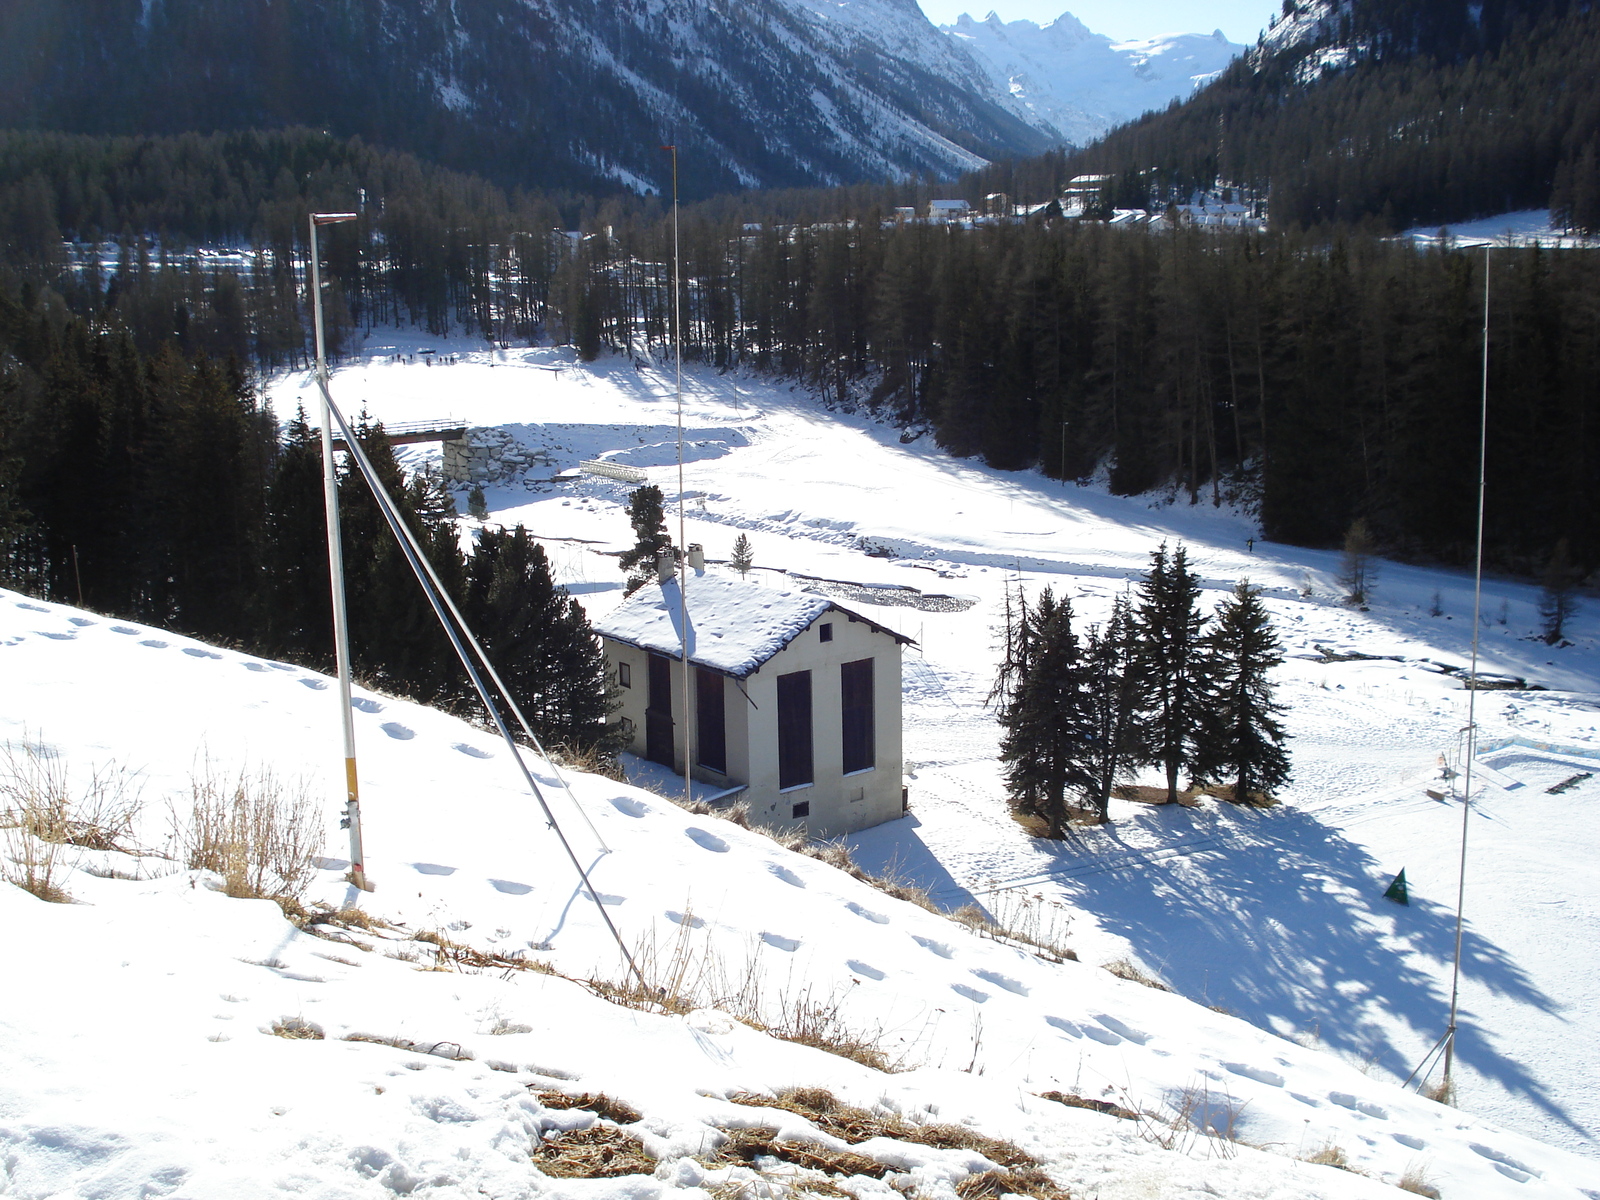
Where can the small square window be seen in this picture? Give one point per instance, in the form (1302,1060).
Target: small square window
(827,632)
(625,674)
(803,809)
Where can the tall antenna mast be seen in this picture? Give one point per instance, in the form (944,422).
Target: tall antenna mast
(683,542)
(1472,685)
(341,624)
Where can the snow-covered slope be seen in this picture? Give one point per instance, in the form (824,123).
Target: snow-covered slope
(139,1020)
(1081,83)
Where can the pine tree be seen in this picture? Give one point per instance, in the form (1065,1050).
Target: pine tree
(1172,661)
(1048,734)
(1240,736)
(1558,600)
(539,640)
(293,617)
(1114,686)
(743,556)
(477,504)
(646,515)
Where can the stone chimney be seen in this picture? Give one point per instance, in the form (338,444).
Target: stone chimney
(697,557)
(666,565)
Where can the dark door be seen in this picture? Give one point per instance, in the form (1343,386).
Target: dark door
(794,730)
(711,730)
(658,713)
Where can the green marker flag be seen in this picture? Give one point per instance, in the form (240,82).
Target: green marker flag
(1397,889)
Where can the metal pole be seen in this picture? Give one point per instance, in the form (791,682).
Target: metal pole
(683,544)
(1472,684)
(341,627)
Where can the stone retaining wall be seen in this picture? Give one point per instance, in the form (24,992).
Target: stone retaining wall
(489,455)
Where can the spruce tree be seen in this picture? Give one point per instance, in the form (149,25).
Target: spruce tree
(1113,694)
(539,640)
(293,617)
(646,515)
(1240,736)
(1172,661)
(1048,732)
(743,556)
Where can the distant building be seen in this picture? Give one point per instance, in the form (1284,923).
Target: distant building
(792,698)
(948,210)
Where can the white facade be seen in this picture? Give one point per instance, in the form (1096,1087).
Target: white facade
(758,652)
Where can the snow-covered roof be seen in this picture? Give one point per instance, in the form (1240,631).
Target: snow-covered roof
(734,626)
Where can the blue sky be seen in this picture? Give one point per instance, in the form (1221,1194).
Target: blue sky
(1240,20)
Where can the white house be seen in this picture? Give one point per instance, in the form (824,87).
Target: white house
(794,701)
(948,210)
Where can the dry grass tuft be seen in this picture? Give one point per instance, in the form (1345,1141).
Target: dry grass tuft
(1099,1106)
(1417,1183)
(451,1050)
(1331,1155)
(296,1029)
(1124,968)
(255,829)
(746,1146)
(855,1125)
(1142,794)
(1225,791)
(598,1103)
(42,812)
(601,1152)
(992,1184)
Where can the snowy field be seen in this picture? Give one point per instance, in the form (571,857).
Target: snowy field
(140,1060)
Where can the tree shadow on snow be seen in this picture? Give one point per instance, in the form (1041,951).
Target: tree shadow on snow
(1282,921)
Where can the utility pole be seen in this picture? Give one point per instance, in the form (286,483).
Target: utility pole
(683,542)
(330,502)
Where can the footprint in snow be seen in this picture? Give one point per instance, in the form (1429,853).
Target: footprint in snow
(510,888)
(867,913)
(282,667)
(32,608)
(250,666)
(1504,1163)
(629,807)
(1002,981)
(932,946)
(63,637)
(80,621)
(125,629)
(154,644)
(196,652)
(1346,1100)
(397,731)
(705,840)
(971,993)
(331,864)
(688,920)
(362,704)
(1259,1074)
(778,942)
(1064,1025)
(426,868)
(316,685)
(1104,1036)
(471,751)
(861,968)
(1123,1029)
(1409,1142)
(788,876)
(605,898)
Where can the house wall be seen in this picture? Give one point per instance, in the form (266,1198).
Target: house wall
(839,804)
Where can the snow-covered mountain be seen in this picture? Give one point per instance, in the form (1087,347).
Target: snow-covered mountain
(552,92)
(1078,83)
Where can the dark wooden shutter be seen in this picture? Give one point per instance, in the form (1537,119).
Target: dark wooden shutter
(711,728)
(658,713)
(856,712)
(794,730)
